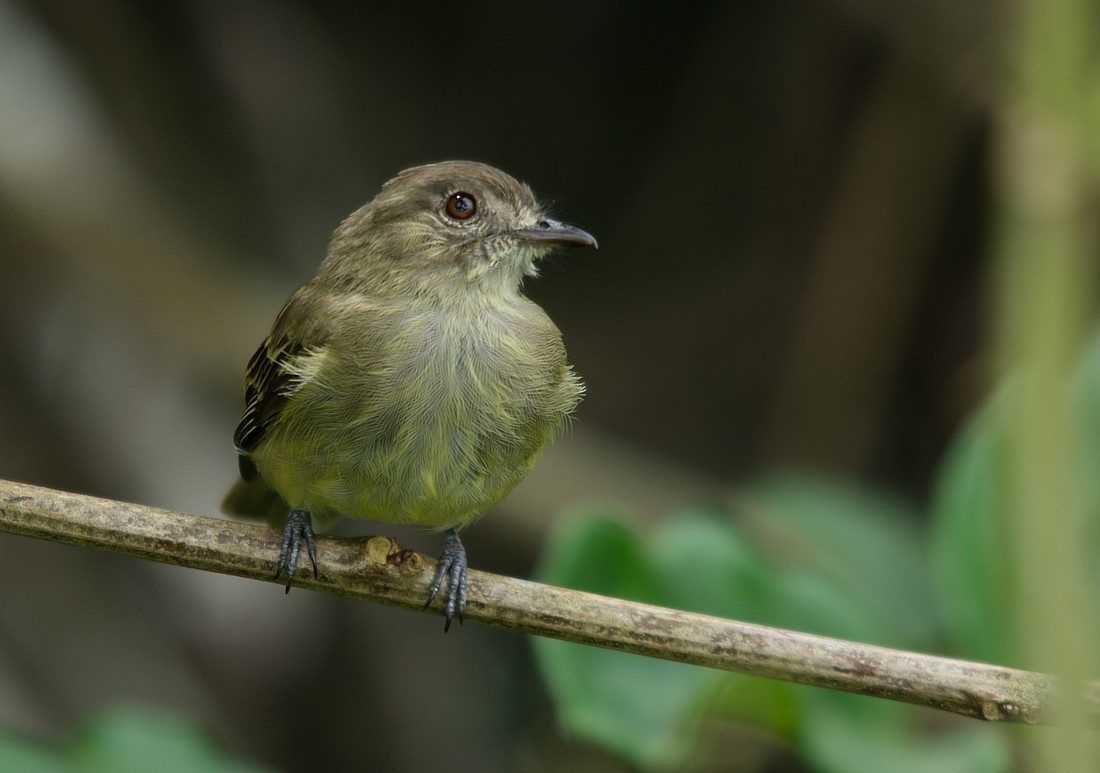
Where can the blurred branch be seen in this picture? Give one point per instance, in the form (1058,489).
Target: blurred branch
(378,569)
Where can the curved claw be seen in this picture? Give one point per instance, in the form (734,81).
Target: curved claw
(452,566)
(298,528)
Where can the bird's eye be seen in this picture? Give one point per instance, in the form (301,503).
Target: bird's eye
(461,206)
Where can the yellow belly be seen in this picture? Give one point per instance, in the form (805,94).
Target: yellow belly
(438,460)
(434,425)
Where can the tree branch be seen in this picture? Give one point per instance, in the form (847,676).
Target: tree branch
(378,569)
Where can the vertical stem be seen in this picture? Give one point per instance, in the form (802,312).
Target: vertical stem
(1046,304)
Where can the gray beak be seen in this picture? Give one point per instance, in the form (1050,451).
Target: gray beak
(555,234)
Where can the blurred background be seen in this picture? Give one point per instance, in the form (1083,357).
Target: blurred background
(793,205)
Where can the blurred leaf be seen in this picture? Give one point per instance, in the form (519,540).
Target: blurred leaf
(124,740)
(704,565)
(593,551)
(137,740)
(854,734)
(804,600)
(21,754)
(969,543)
(805,554)
(638,707)
(858,554)
(769,704)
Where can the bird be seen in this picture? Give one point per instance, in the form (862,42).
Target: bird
(410,381)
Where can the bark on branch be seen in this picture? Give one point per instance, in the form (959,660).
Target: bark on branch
(378,569)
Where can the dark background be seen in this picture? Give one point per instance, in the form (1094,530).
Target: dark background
(790,199)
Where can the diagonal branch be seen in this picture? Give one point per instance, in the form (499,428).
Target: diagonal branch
(378,569)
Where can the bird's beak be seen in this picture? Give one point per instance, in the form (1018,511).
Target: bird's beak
(554,234)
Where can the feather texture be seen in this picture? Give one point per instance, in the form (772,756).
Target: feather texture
(411,380)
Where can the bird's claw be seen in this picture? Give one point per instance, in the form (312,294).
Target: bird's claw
(452,567)
(298,528)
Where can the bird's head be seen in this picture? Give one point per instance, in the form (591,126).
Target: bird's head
(455,221)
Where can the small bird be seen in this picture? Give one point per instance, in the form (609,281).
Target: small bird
(410,381)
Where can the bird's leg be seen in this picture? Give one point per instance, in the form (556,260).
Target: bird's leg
(298,528)
(452,566)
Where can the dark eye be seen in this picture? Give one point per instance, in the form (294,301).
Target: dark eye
(461,206)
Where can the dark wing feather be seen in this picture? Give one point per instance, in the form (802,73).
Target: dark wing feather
(298,328)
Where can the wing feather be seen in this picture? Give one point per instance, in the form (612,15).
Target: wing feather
(271,377)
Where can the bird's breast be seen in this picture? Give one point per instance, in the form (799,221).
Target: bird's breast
(433,422)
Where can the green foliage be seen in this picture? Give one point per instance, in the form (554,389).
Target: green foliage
(641,709)
(22,754)
(970,542)
(854,734)
(123,740)
(799,553)
(850,563)
(978,588)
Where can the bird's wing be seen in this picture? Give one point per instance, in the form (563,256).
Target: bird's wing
(270,378)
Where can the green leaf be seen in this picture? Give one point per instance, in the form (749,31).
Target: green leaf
(769,704)
(124,740)
(26,756)
(595,551)
(804,554)
(704,565)
(970,544)
(863,550)
(856,734)
(972,548)
(137,740)
(638,707)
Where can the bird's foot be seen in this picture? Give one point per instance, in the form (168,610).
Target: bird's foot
(298,529)
(452,567)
